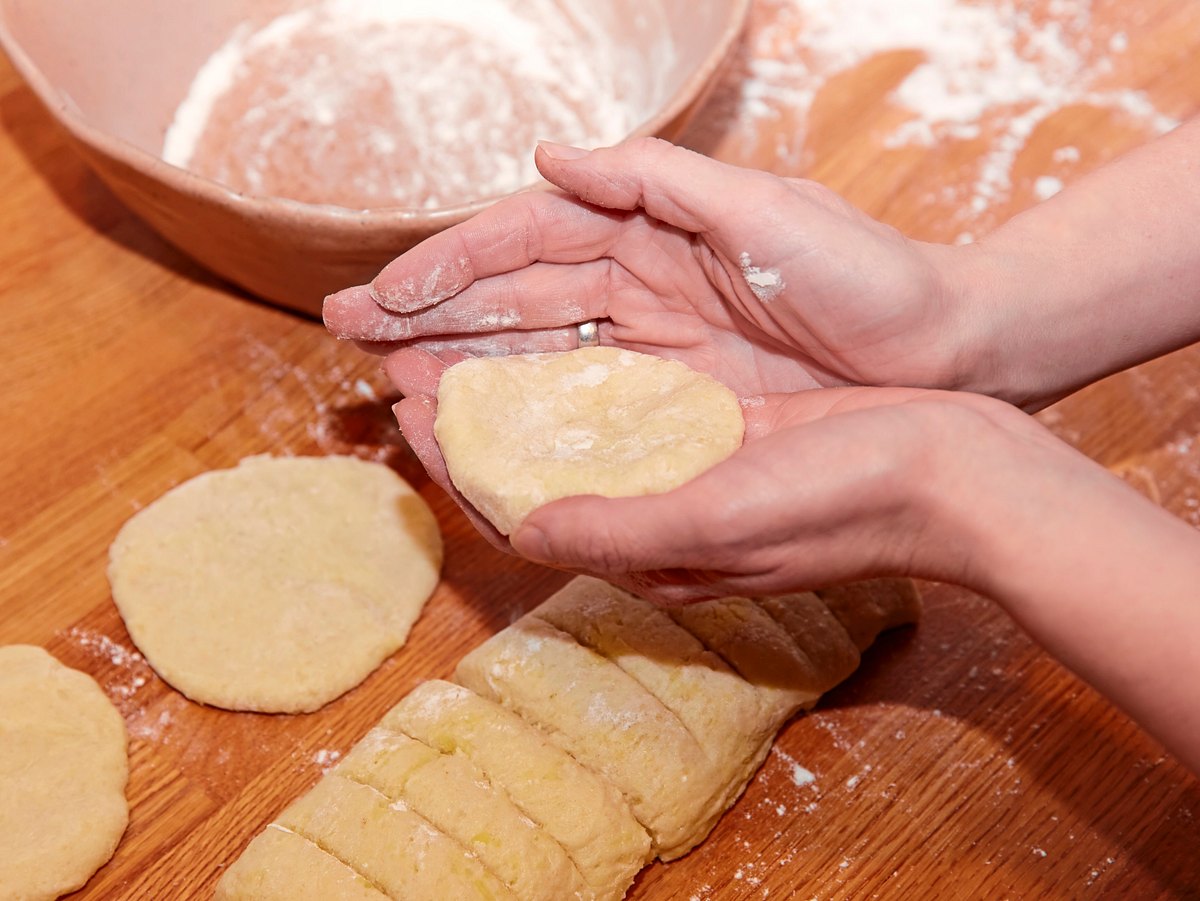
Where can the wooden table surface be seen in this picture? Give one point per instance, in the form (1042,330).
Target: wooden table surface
(959,762)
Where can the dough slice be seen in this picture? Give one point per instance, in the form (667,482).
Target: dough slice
(396,850)
(867,608)
(601,716)
(277,585)
(279,865)
(582,812)
(722,712)
(520,431)
(63,769)
(819,634)
(759,648)
(456,798)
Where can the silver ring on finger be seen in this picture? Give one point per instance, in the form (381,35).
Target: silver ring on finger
(589,334)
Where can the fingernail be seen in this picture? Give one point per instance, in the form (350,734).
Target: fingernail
(337,303)
(564,152)
(530,542)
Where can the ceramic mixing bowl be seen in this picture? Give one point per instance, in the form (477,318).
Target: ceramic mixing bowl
(113,73)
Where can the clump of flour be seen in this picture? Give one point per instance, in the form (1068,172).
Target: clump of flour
(764,283)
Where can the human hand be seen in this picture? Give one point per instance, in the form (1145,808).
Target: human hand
(863,495)
(830,486)
(769,284)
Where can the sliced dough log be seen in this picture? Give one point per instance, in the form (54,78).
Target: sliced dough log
(397,850)
(601,716)
(867,608)
(592,714)
(759,648)
(281,866)
(580,811)
(725,715)
(822,637)
(456,798)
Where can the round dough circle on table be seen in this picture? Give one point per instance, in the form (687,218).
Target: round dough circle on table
(277,585)
(63,769)
(520,431)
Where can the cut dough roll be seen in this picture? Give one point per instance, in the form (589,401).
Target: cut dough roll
(457,799)
(520,431)
(759,648)
(593,713)
(63,769)
(867,608)
(725,715)
(277,585)
(279,865)
(395,849)
(601,716)
(819,634)
(579,810)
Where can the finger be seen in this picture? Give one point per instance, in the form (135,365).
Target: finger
(416,416)
(770,413)
(533,227)
(406,364)
(542,295)
(673,530)
(502,343)
(670,183)
(377,348)
(352,313)
(414,371)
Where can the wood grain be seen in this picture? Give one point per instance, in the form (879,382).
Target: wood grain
(959,762)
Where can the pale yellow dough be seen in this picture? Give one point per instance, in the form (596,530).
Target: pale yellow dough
(596,732)
(63,769)
(282,866)
(277,585)
(520,431)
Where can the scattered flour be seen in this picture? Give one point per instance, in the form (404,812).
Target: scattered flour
(1046,187)
(325,758)
(992,70)
(133,672)
(800,775)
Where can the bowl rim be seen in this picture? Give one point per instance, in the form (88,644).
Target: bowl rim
(209,190)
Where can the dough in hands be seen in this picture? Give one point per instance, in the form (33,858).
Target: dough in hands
(63,769)
(277,585)
(520,431)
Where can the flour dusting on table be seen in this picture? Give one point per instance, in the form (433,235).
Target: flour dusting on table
(414,103)
(991,71)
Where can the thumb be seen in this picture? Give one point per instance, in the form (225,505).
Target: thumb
(609,535)
(704,524)
(677,186)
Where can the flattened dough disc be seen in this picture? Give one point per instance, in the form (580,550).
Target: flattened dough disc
(520,431)
(63,768)
(277,585)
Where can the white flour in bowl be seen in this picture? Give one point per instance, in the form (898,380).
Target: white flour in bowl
(412,103)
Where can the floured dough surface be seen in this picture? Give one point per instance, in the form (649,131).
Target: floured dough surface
(277,585)
(590,736)
(520,431)
(63,769)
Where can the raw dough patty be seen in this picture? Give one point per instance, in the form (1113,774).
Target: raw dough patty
(520,431)
(63,768)
(277,585)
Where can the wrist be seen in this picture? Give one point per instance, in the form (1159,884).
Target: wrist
(994,325)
